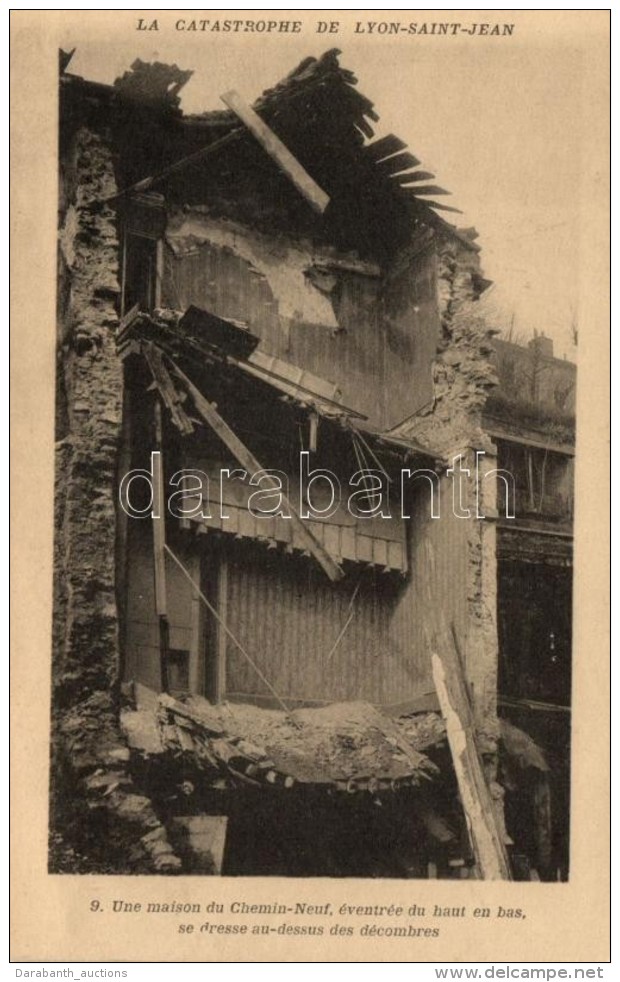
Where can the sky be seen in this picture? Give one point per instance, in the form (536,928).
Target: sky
(499,121)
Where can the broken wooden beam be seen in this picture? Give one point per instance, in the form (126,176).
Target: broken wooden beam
(272,144)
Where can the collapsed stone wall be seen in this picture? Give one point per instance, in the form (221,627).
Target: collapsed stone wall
(96,809)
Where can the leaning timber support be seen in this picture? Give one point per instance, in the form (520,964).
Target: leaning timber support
(485,834)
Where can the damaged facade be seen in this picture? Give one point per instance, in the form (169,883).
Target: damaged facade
(235,289)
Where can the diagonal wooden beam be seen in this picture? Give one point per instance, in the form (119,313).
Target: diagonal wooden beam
(247,460)
(273,145)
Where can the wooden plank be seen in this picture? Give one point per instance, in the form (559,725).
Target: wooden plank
(499,434)
(384,147)
(205,838)
(331,538)
(486,838)
(247,460)
(435,823)
(397,556)
(159,517)
(130,316)
(380,552)
(348,543)
(166,387)
(159,272)
(144,184)
(283,157)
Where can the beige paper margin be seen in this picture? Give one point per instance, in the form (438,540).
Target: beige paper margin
(50,915)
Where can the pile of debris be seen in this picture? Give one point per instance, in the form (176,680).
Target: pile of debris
(348,746)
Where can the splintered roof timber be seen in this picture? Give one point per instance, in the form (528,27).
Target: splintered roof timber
(321,121)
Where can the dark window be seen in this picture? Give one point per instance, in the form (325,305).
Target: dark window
(534,625)
(140,272)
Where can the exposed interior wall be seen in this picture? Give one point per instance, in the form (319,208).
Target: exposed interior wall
(92,792)
(481,646)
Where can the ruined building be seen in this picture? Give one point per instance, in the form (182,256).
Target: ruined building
(241,291)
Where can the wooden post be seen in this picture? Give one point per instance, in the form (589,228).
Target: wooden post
(159,555)
(486,839)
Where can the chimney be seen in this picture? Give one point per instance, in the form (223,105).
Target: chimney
(541,345)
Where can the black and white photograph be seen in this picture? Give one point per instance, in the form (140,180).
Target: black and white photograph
(319,319)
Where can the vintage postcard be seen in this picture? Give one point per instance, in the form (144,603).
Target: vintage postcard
(310,340)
